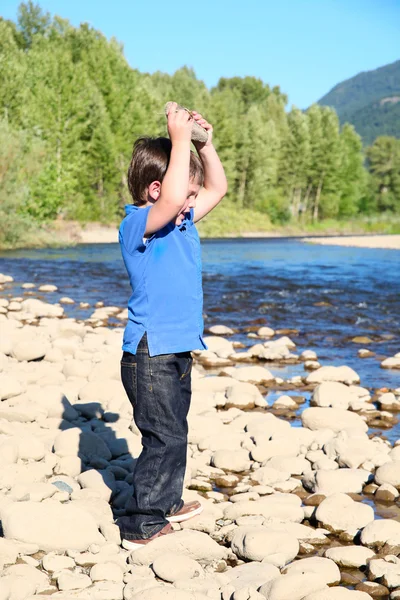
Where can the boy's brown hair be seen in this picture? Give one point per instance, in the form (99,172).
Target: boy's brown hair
(150,159)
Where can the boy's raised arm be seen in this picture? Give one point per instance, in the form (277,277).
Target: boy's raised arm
(172,193)
(215,183)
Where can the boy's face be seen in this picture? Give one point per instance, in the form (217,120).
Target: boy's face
(193,191)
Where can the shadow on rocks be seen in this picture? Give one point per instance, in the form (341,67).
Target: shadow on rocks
(95,454)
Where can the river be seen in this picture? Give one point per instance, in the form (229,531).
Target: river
(329,294)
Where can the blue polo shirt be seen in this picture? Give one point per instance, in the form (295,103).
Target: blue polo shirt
(165,275)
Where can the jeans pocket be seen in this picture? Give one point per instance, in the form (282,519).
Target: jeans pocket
(185,364)
(129,380)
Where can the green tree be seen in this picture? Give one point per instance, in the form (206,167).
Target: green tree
(295,160)
(352,176)
(384,165)
(32,21)
(20,162)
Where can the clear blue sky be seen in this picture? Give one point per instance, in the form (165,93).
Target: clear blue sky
(304,46)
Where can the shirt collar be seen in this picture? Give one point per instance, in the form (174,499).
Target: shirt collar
(130,208)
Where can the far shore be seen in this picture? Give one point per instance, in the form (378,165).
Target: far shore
(103,235)
(67,233)
(390,242)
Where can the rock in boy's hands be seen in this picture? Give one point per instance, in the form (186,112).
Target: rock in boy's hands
(179,124)
(206,125)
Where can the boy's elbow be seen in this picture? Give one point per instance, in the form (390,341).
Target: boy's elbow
(224,190)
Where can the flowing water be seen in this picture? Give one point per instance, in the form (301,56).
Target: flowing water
(329,294)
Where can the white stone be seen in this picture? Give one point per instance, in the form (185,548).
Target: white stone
(77,368)
(51,525)
(30,447)
(253,573)
(391,363)
(30,350)
(278,507)
(198,546)
(172,567)
(381,532)
(107,571)
(335,419)
(221,330)
(288,464)
(32,491)
(387,568)
(231,460)
(269,475)
(285,402)
(68,465)
(66,300)
(294,586)
(351,452)
(332,394)
(243,395)
(352,557)
(271,448)
(55,562)
(75,442)
(339,513)
(262,544)
(9,386)
(265,332)
(101,481)
(220,346)
(16,306)
(389,473)
(53,399)
(48,287)
(329,482)
(68,580)
(41,309)
(253,374)
(308,355)
(316,565)
(342,374)
(389,401)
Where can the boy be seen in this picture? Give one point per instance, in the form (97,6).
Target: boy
(172,188)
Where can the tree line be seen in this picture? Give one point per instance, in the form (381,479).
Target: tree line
(71,107)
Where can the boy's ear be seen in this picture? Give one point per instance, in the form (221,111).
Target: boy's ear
(154,191)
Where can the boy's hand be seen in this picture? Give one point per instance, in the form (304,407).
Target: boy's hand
(179,124)
(207,126)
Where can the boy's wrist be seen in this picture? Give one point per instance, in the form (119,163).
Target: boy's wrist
(180,143)
(203,148)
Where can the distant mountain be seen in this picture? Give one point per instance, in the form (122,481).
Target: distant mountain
(370,101)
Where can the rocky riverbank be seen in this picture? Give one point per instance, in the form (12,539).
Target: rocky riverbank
(307,512)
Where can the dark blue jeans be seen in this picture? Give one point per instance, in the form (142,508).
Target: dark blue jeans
(159,388)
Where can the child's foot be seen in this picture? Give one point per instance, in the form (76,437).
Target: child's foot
(188,510)
(136,544)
